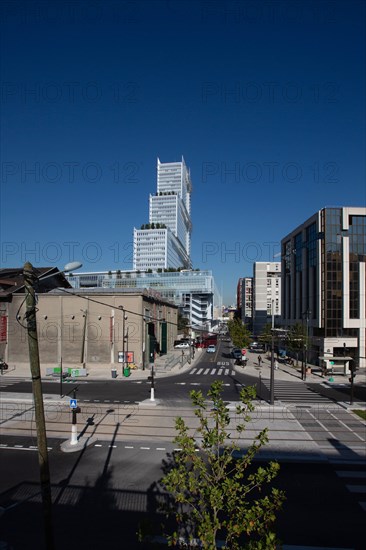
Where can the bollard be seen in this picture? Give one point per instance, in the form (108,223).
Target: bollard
(74,433)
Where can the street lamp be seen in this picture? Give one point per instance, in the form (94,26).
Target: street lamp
(83,346)
(30,280)
(305,363)
(271,399)
(124,318)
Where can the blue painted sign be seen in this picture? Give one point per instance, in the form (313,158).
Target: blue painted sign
(73,403)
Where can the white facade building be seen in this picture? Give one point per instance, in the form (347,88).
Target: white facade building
(266,294)
(158,249)
(161,249)
(166,240)
(245,300)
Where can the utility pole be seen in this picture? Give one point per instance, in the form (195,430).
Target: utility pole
(29,281)
(83,345)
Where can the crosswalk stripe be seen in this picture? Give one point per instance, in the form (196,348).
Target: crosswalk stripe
(212,371)
(294,392)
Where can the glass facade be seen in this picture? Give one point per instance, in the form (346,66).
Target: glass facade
(198,286)
(311,265)
(357,254)
(328,281)
(332,271)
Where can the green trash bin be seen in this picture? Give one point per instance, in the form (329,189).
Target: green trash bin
(126,371)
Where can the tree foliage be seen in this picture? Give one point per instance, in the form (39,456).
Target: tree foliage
(183,323)
(239,333)
(296,339)
(214,494)
(266,335)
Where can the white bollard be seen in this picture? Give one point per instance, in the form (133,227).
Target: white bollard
(74,435)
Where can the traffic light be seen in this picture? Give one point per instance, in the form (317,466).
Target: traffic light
(152,341)
(353,373)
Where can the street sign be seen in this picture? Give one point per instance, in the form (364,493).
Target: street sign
(73,403)
(243,351)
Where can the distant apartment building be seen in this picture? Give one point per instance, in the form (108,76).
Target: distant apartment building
(165,242)
(324,282)
(266,294)
(245,300)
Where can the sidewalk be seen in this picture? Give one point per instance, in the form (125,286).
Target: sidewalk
(288,372)
(167,365)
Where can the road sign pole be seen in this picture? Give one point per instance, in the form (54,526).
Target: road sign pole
(152,388)
(74,432)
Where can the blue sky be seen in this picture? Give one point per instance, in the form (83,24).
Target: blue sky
(265,101)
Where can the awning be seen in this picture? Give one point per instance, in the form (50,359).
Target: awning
(341,358)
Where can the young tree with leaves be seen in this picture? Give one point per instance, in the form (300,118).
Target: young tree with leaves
(212,493)
(239,333)
(266,336)
(296,340)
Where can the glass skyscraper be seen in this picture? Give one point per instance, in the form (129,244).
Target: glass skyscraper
(165,242)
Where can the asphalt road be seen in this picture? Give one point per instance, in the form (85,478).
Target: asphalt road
(102,493)
(200,376)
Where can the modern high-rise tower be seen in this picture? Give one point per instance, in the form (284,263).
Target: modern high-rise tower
(166,240)
(324,283)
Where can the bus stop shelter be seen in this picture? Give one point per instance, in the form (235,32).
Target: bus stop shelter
(340,365)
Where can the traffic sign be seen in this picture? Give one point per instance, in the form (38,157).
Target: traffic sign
(73,403)
(243,351)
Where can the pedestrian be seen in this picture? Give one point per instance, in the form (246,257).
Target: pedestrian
(276,364)
(259,360)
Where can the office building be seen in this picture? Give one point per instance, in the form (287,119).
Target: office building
(193,291)
(165,242)
(161,253)
(323,282)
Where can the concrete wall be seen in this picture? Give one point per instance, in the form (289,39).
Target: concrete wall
(81,330)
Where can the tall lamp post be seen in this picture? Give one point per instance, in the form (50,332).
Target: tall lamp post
(124,318)
(30,280)
(305,363)
(83,345)
(271,399)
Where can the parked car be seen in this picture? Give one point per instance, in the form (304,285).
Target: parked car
(256,346)
(236,353)
(211,348)
(181,345)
